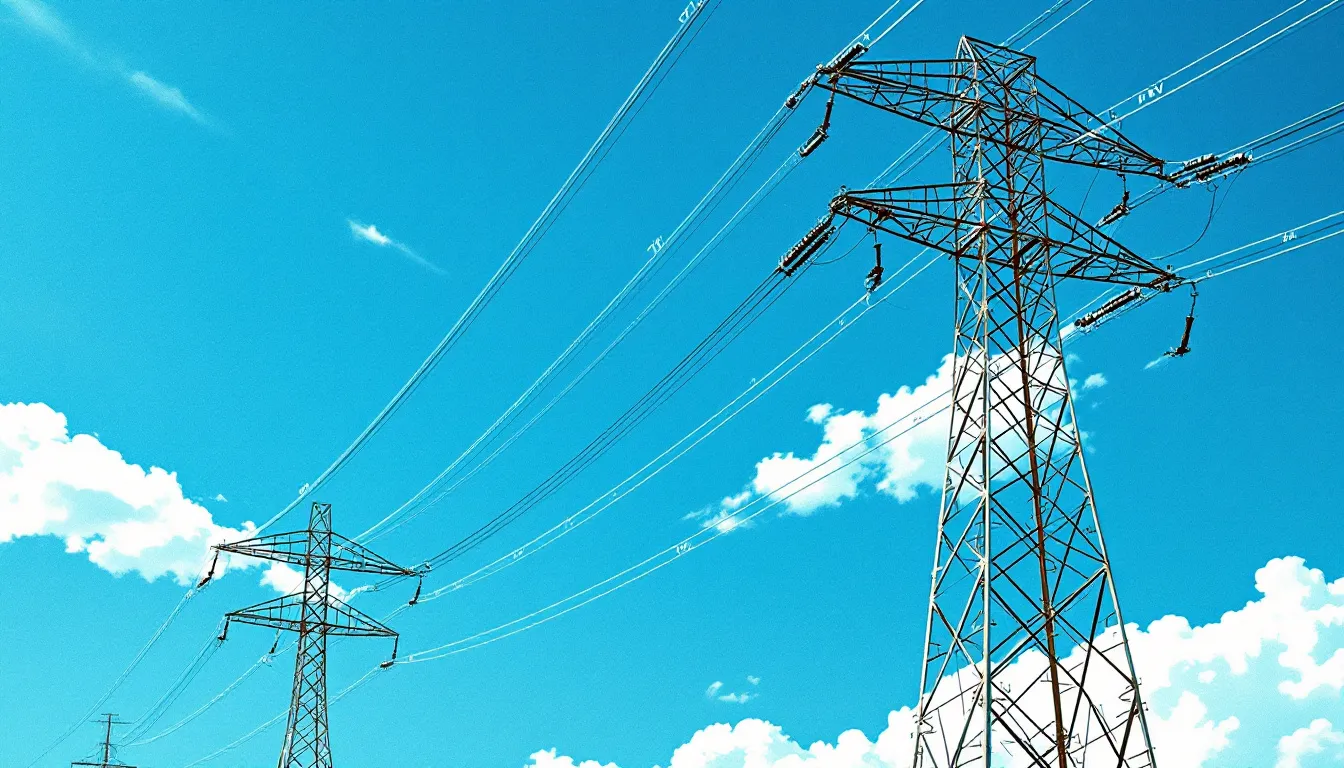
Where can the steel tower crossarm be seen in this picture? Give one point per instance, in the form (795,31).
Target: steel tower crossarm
(934,216)
(314,614)
(935,92)
(286,613)
(292,548)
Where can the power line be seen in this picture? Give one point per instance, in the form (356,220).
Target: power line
(417,504)
(651,78)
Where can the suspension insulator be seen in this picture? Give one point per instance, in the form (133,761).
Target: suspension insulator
(1091,318)
(1198,162)
(1222,166)
(844,59)
(807,247)
(810,146)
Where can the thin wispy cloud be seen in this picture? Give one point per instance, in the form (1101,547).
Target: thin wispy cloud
(40,19)
(1094,381)
(370,234)
(714,692)
(167,96)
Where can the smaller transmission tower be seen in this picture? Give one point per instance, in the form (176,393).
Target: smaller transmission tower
(314,614)
(108,760)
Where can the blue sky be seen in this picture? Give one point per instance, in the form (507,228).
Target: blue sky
(232,232)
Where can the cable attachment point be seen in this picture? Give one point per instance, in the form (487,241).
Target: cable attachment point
(396,641)
(874,279)
(843,59)
(1183,348)
(210,574)
(1222,166)
(807,247)
(1120,211)
(1199,170)
(821,134)
(418,586)
(796,97)
(224,633)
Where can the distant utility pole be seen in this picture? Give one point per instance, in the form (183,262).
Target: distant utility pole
(315,614)
(1026,659)
(107,761)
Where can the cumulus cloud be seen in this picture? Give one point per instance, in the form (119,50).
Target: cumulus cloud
(1272,661)
(912,460)
(123,517)
(42,20)
(898,449)
(370,234)
(548,759)
(288,580)
(1319,738)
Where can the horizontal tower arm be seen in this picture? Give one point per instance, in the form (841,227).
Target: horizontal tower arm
(286,613)
(292,548)
(927,216)
(943,93)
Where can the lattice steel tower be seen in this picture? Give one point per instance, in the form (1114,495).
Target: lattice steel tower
(108,749)
(1026,660)
(315,614)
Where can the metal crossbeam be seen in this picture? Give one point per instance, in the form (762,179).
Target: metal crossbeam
(107,747)
(948,94)
(314,614)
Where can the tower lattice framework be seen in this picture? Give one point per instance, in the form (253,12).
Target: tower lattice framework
(1026,658)
(314,614)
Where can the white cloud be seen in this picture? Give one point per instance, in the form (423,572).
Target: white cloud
(1265,653)
(123,517)
(731,697)
(42,20)
(548,759)
(220,498)
(166,95)
(720,515)
(370,234)
(1094,381)
(288,580)
(818,413)
(912,460)
(1319,738)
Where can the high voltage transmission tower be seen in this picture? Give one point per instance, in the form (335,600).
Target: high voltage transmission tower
(315,614)
(1026,658)
(108,749)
